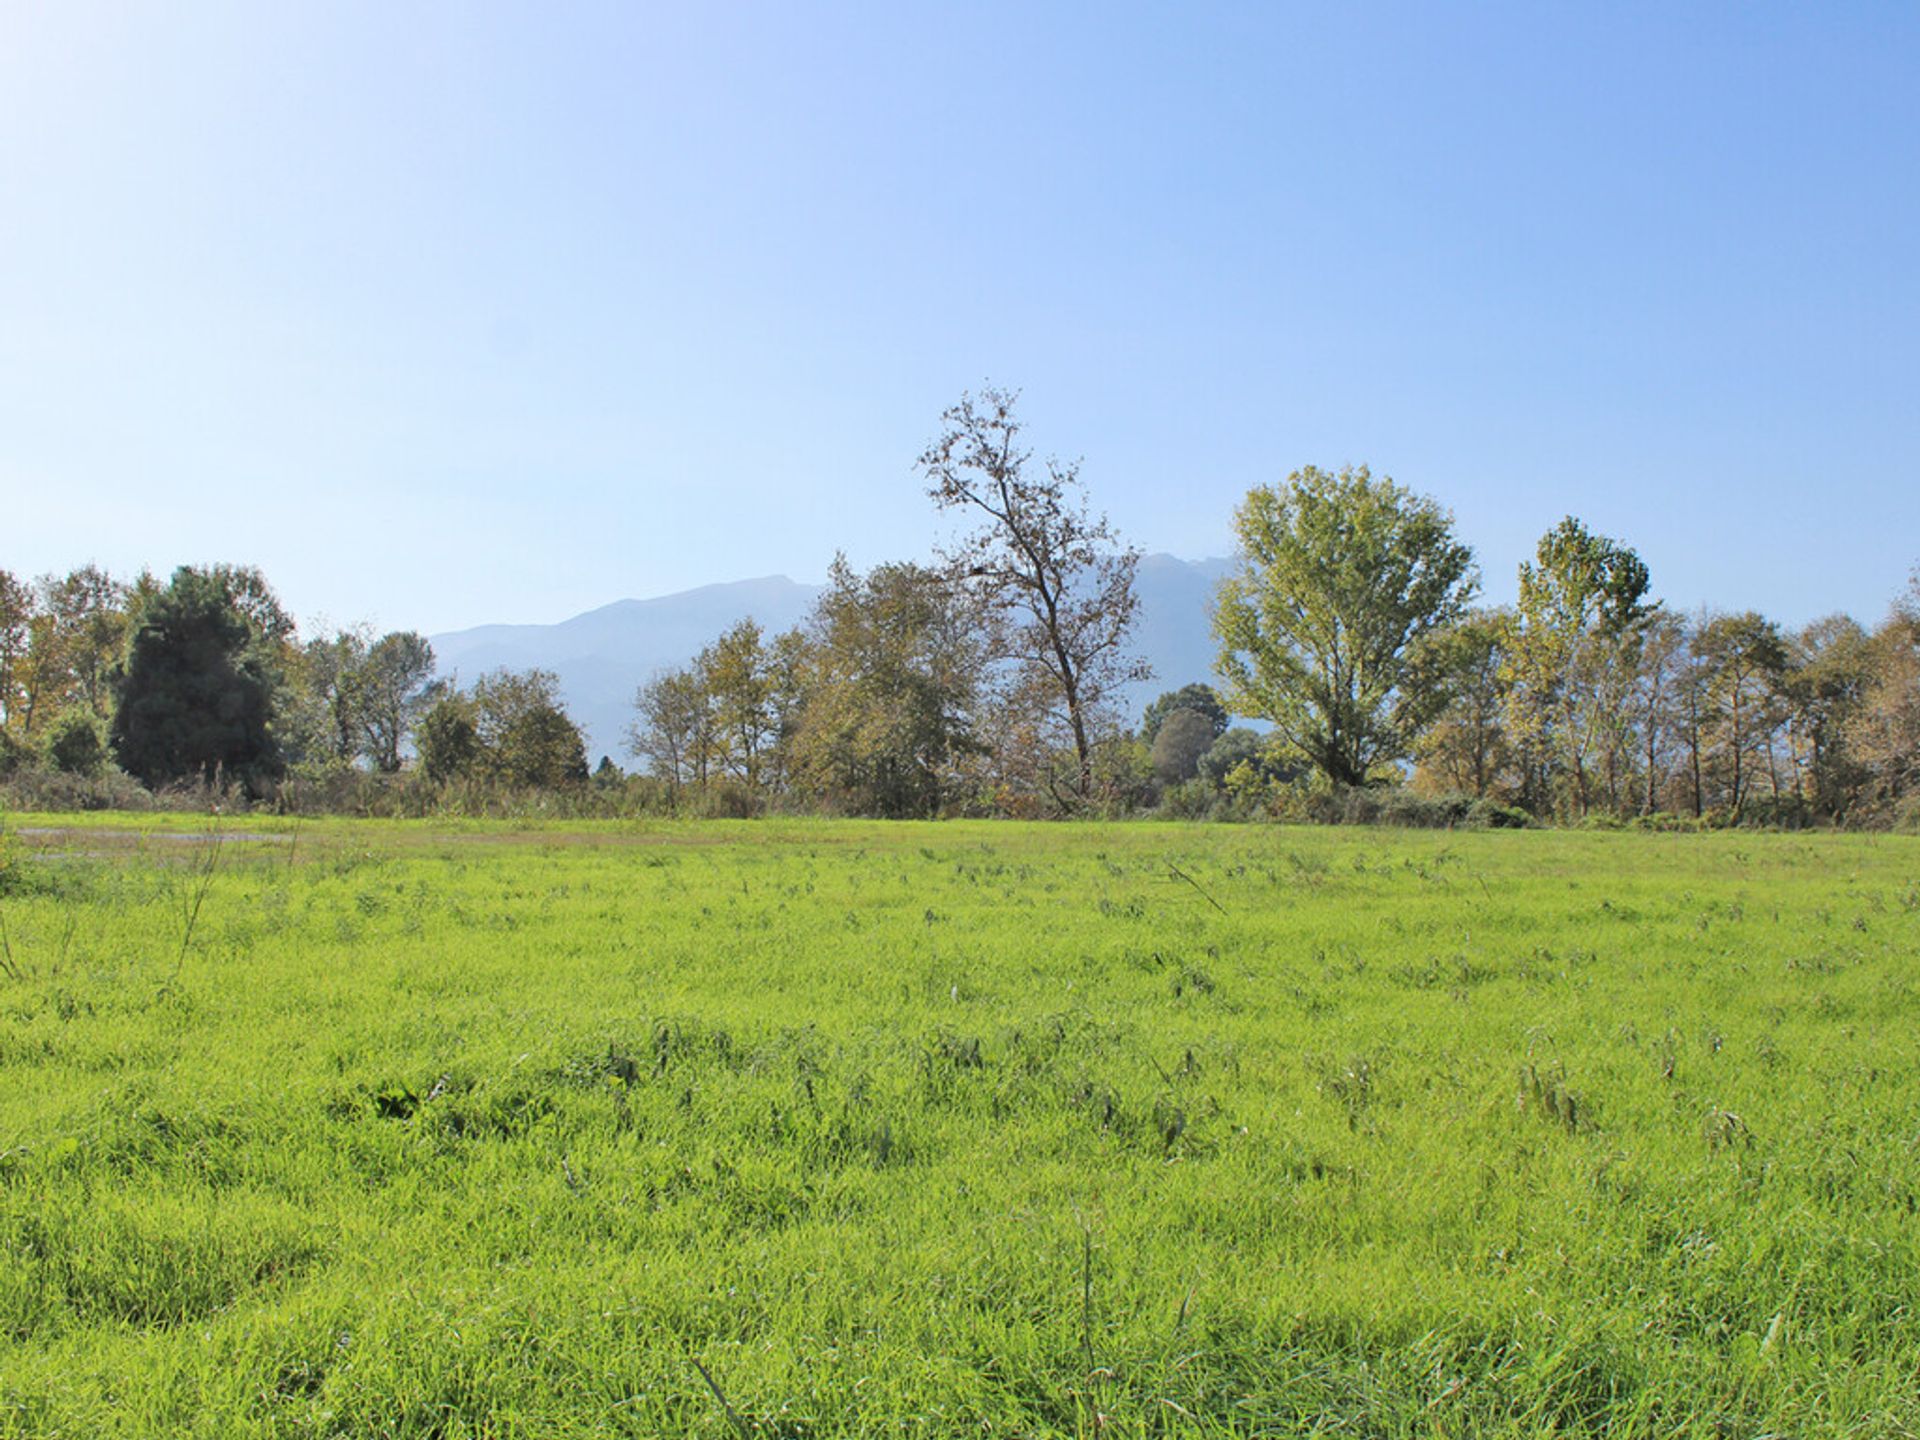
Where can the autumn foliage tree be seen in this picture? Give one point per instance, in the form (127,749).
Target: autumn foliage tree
(894,672)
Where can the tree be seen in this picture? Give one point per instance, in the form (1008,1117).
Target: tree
(1745,662)
(540,748)
(894,672)
(671,728)
(1181,739)
(18,607)
(1057,576)
(1199,698)
(522,732)
(395,688)
(1464,750)
(1241,745)
(198,692)
(1658,702)
(248,592)
(1342,578)
(449,739)
(40,682)
(787,658)
(1830,667)
(86,616)
(747,700)
(1884,733)
(327,683)
(1582,604)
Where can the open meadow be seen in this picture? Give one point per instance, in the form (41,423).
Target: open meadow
(396,1129)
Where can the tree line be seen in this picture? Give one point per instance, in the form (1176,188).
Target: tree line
(990,681)
(204,683)
(986,682)
(1352,626)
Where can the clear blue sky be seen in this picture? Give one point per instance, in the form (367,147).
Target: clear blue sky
(445,313)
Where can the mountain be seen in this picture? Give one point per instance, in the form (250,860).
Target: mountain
(1174,631)
(602,656)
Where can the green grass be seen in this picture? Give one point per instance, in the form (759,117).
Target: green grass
(397,1129)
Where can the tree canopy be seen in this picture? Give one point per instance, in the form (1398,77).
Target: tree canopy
(1200,698)
(1341,578)
(196,697)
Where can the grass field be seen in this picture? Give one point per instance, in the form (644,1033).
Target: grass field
(383,1129)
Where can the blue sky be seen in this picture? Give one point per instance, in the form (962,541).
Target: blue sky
(451,313)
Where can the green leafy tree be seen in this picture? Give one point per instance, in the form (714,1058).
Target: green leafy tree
(1342,578)
(324,727)
(540,748)
(735,674)
(1464,750)
(752,693)
(523,733)
(1201,699)
(788,657)
(198,694)
(394,688)
(18,607)
(1241,745)
(1830,668)
(86,611)
(1179,742)
(1571,657)
(41,676)
(1746,662)
(1658,704)
(672,728)
(448,739)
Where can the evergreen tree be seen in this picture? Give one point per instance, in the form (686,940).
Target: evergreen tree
(197,693)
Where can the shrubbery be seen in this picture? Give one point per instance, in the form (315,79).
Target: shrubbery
(77,744)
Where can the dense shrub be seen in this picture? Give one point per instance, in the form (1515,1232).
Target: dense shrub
(1777,812)
(1193,800)
(1666,822)
(36,787)
(76,744)
(1492,815)
(1395,805)
(724,800)
(1424,812)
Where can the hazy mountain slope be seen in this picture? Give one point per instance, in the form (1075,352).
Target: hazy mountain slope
(1174,629)
(603,655)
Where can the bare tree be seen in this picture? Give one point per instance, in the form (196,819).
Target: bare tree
(1057,576)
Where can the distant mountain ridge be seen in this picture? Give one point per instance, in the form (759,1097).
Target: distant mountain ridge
(604,655)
